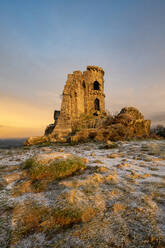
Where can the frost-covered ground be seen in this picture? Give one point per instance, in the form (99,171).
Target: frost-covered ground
(133,213)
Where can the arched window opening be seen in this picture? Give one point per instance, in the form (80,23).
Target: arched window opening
(96,85)
(84,86)
(97,104)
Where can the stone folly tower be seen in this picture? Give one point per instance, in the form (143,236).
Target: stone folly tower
(83,95)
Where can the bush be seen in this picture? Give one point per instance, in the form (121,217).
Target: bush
(159,130)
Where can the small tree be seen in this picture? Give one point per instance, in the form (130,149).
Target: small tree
(159,130)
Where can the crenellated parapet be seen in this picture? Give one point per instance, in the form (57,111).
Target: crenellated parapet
(95,68)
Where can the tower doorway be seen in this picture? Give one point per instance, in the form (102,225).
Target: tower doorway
(97,104)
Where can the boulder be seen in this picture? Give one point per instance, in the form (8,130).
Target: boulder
(133,112)
(36,140)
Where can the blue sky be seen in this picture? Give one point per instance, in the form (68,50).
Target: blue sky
(42,41)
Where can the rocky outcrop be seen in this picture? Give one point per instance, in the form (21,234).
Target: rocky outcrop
(36,140)
(133,112)
(133,119)
(128,124)
(82,116)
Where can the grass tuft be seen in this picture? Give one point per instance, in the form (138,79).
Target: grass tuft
(54,170)
(44,219)
(42,174)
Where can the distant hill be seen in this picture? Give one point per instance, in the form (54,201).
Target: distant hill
(11,143)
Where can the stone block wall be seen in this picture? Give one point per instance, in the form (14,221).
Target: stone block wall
(83,95)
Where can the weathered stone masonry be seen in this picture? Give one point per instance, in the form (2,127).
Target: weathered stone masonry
(83,95)
(83,117)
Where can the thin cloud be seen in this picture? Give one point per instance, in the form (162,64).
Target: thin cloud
(158,116)
(149,100)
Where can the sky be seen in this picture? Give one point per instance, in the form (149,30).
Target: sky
(42,41)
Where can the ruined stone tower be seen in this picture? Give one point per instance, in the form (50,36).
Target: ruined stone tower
(83,95)
(83,118)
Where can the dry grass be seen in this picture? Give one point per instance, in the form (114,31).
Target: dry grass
(37,218)
(54,170)
(28,221)
(97,161)
(93,180)
(59,218)
(118,207)
(114,193)
(113,155)
(112,178)
(134,175)
(102,169)
(42,174)
(22,188)
(112,145)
